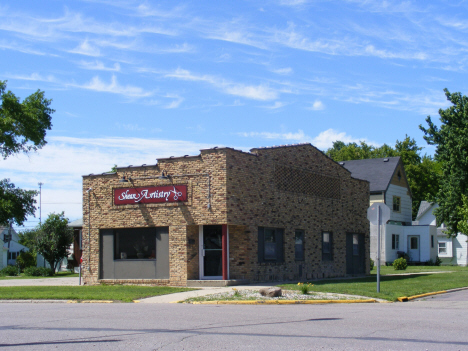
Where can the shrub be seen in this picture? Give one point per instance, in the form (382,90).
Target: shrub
(438,261)
(38,272)
(9,271)
(305,287)
(400,264)
(371,264)
(25,260)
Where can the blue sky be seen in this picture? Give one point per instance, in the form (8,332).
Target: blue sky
(132,81)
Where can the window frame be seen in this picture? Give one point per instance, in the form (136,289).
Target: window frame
(300,257)
(279,248)
(444,243)
(327,250)
(396,203)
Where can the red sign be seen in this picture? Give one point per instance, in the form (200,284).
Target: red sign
(150,194)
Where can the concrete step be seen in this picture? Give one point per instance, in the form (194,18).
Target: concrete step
(216,283)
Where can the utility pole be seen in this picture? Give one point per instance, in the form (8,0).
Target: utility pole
(40,202)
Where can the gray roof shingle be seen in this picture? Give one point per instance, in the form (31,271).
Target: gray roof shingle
(376,171)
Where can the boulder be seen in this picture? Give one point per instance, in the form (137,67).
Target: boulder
(271,291)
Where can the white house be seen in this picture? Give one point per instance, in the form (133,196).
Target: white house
(451,250)
(10,253)
(388,184)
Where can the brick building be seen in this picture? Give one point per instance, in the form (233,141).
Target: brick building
(275,213)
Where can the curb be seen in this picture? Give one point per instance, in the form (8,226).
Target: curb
(408,298)
(280,302)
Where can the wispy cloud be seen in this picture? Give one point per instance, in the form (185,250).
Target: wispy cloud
(99,66)
(175,103)
(114,87)
(258,92)
(276,105)
(283,71)
(322,141)
(85,48)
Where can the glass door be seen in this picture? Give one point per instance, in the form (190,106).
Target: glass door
(211,252)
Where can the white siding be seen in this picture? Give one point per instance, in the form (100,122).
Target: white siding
(428,218)
(460,249)
(405,211)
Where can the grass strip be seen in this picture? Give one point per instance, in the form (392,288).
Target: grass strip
(391,287)
(123,293)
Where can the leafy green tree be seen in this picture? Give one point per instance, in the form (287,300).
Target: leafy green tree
(28,238)
(15,203)
(53,239)
(451,141)
(23,127)
(422,172)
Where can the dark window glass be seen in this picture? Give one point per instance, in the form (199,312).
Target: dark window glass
(327,246)
(432,240)
(135,244)
(270,244)
(299,244)
(395,241)
(414,243)
(355,245)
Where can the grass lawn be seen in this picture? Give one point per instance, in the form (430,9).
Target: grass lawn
(418,269)
(123,293)
(392,287)
(57,275)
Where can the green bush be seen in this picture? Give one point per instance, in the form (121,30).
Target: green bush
(38,272)
(371,264)
(25,260)
(9,271)
(438,261)
(400,264)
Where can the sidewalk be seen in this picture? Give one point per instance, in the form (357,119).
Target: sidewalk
(65,281)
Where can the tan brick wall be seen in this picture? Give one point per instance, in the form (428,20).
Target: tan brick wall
(244,195)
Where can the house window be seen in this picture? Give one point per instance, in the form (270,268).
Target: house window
(395,242)
(299,245)
(442,248)
(432,240)
(327,246)
(270,244)
(396,204)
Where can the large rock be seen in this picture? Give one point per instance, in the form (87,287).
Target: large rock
(271,291)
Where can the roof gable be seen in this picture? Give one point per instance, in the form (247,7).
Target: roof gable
(377,171)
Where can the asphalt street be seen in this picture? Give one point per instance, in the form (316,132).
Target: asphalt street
(437,323)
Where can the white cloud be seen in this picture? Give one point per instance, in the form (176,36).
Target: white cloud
(259,92)
(322,141)
(113,87)
(283,71)
(85,48)
(62,162)
(99,66)
(276,105)
(317,106)
(175,103)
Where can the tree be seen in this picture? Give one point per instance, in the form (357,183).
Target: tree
(451,141)
(422,172)
(28,238)
(23,127)
(53,239)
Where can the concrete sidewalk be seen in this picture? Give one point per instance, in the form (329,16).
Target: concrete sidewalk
(65,281)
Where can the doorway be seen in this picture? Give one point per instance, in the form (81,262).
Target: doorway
(413,248)
(211,252)
(355,254)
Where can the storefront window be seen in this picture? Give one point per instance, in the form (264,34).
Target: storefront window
(134,244)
